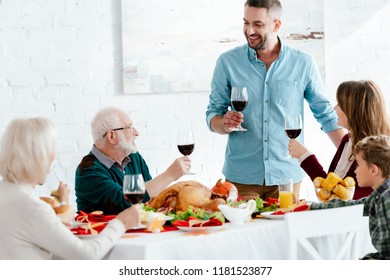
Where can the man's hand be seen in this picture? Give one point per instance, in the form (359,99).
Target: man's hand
(178,168)
(226,123)
(231,120)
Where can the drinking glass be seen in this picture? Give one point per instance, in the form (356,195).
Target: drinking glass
(293,127)
(186,144)
(134,188)
(286,193)
(239,101)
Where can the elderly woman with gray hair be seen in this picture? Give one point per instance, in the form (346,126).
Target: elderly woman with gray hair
(30,228)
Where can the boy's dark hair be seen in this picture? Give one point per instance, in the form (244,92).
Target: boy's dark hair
(375,150)
(274,7)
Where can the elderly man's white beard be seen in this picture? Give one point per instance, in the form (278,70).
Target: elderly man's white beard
(126,147)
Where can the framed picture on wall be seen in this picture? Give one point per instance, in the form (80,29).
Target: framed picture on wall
(171,46)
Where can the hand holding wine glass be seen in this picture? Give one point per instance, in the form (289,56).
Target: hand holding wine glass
(293,126)
(239,101)
(186,143)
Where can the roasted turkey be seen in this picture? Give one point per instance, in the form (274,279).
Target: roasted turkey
(181,195)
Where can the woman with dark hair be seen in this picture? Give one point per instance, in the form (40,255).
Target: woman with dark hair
(361,110)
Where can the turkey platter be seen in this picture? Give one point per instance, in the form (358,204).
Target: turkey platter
(182,195)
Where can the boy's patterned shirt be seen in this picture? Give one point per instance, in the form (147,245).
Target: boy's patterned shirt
(377,207)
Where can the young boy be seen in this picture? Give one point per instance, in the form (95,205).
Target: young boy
(373,169)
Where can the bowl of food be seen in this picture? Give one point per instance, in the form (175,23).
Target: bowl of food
(333,187)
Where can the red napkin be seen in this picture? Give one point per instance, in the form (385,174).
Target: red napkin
(93,217)
(212,222)
(88,229)
(303,207)
(300,208)
(208,223)
(271,201)
(280,212)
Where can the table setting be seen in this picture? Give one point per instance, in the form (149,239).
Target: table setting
(192,221)
(186,206)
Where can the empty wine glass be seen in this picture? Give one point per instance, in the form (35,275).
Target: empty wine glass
(239,101)
(186,144)
(293,127)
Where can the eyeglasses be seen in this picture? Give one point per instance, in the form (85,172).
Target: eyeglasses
(120,128)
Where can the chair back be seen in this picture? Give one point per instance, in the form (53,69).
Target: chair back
(343,221)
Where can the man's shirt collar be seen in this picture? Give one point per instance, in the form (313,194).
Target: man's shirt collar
(107,161)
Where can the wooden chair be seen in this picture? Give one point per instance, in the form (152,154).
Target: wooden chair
(344,221)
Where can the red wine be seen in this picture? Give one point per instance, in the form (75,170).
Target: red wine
(239,105)
(293,133)
(186,150)
(134,198)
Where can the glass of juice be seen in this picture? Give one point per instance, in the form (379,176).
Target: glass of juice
(286,193)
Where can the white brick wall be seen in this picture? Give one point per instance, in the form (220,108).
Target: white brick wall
(62,59)
(359,41)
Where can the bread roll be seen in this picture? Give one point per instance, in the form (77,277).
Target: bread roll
(62,209)
(65,212)
(54,203)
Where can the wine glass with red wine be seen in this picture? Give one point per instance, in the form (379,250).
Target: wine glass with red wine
(293,127)
(239,100)
(186,144)
(134,188)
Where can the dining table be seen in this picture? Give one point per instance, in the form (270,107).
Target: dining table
(260,238)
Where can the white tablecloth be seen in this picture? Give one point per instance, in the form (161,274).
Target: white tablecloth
(259,239)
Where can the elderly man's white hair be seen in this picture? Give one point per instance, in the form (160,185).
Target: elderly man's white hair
(105,119)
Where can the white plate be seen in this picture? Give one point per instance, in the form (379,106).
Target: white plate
(269,215)
(212,228)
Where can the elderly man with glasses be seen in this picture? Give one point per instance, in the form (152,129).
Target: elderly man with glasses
(99,176)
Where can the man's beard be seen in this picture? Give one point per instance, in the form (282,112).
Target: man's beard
(261,45)
(126,146)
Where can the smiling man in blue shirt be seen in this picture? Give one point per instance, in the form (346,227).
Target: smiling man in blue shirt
(278,79)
